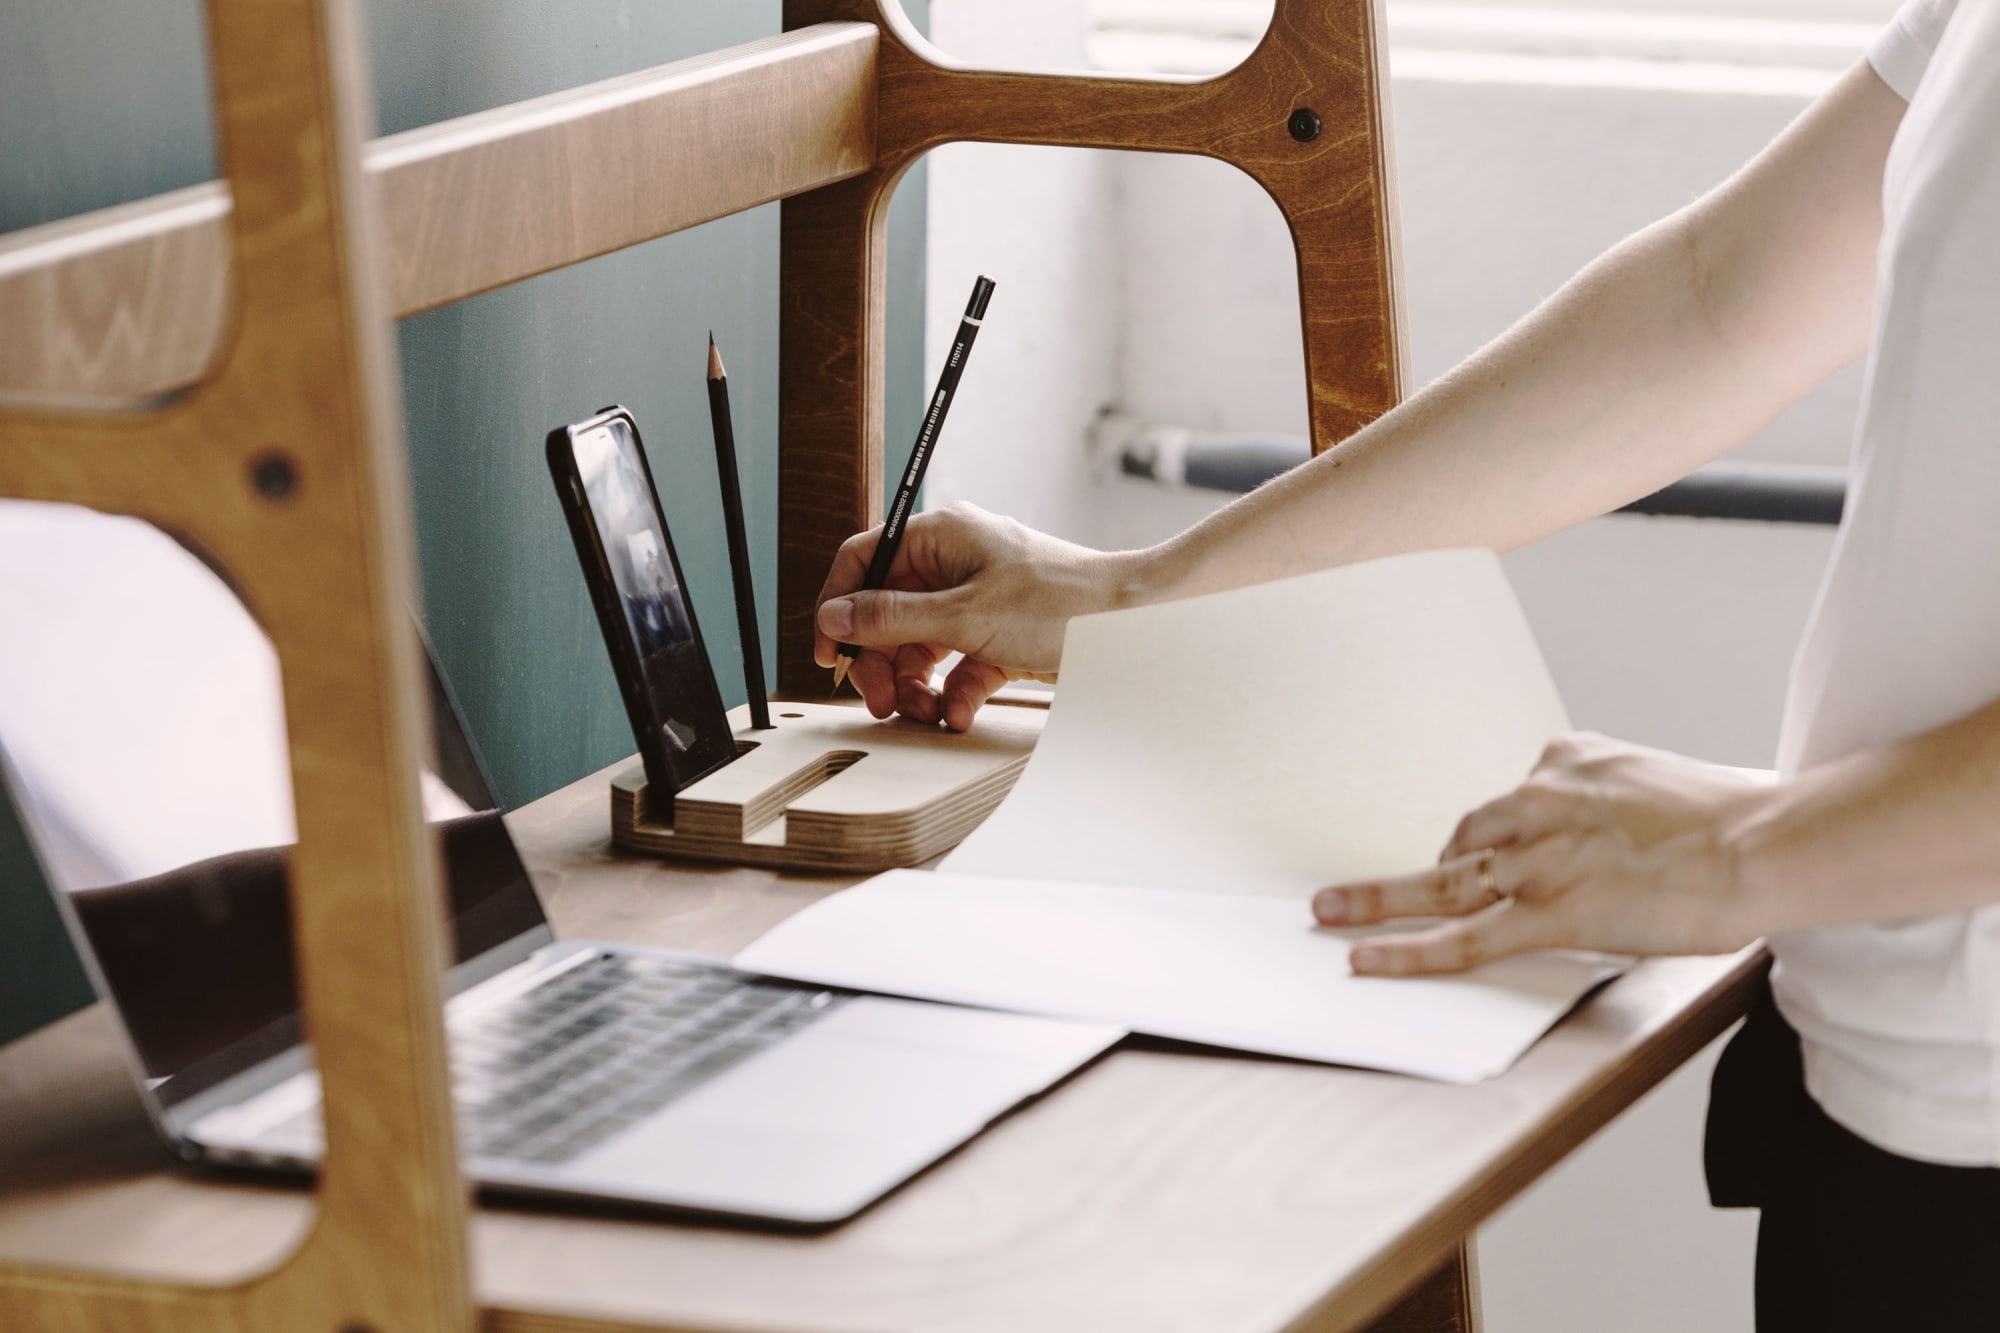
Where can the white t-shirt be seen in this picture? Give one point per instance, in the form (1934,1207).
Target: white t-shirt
(1901,1022)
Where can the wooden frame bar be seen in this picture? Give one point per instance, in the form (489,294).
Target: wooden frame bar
(129,302)
(286,466)
(1333,182)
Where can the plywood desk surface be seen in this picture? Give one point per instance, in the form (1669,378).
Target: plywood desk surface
(1158,1190)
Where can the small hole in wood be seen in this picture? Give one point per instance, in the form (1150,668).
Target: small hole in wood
(274,475)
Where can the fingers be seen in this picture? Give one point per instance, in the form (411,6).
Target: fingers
(1548,800)
(874,675)
(850,568)
(900,683)
(970,684)
(914,696)
(941,549)
(1508,927)
(895,628)
(1533,810)
(889,618)
(1495,824)
(1451,889)
(1540,909)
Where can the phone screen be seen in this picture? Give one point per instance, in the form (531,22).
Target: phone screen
(688,721)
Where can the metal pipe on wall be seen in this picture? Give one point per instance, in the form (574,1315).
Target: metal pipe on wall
(1235,463)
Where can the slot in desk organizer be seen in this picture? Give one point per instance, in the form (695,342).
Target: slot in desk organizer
(829,788)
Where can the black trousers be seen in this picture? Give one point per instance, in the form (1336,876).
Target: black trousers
(1851,1237)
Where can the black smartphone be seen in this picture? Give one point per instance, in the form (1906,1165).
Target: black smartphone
(607,493)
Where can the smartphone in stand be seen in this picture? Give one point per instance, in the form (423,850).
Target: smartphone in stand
(648,620)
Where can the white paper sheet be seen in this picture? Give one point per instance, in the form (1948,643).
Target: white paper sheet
(1207,765)
(1251,973)
(1275,739)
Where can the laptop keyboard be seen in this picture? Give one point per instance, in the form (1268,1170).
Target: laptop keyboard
(559,1068)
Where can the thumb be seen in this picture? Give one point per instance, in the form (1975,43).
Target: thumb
(884,619)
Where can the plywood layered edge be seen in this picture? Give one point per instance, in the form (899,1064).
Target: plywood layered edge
(129,302)
(829,789)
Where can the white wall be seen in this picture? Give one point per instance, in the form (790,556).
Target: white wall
(1506,190)
(1042,223)
(1668,631)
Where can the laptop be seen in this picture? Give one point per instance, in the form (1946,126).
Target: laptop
(142,739)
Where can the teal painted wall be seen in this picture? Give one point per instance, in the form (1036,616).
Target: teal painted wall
(102,101)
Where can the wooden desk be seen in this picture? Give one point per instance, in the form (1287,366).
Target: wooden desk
(1159,1190)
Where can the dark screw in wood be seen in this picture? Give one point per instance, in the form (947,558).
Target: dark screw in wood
(274,476)
(1304,124)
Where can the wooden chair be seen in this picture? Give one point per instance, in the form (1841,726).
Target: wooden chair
(234,339)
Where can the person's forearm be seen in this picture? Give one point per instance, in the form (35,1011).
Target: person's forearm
(1610,389)
(1673,347)
(1904,830)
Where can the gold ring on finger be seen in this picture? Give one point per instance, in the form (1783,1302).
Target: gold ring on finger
(1488,885)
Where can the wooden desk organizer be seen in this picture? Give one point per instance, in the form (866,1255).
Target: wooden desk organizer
(829,788)
(267,299)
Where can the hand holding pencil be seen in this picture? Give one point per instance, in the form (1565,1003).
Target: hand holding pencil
(963,581)
(904,503)
(902,596)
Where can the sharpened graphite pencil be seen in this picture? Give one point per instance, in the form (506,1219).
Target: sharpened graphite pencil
(739,545)
(898,516)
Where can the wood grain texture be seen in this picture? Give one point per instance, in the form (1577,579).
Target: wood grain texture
(303,383)
(1445,1302)
(123,303)
(829,788)
(832,294)
(1335,191)
(1162,1189)
(129,302)
(486,200)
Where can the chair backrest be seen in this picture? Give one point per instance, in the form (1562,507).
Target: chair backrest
(1306,115)
(284,465)
(269,298)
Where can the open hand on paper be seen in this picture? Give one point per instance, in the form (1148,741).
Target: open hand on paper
(964,581)
(1606,846)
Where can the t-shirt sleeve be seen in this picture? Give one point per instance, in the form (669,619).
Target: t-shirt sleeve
(1904,48)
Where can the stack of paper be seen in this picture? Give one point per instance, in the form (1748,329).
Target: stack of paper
(1208,764)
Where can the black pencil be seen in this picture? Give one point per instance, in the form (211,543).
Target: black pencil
(920,458)
(739,545)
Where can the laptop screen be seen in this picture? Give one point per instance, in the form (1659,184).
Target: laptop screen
(143,738)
